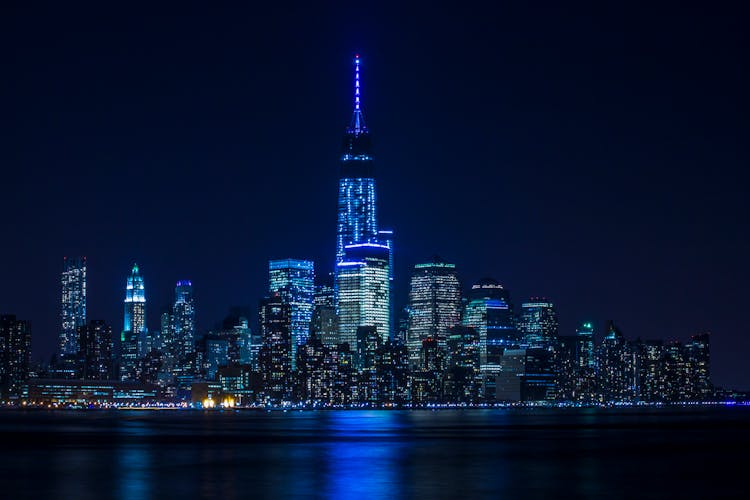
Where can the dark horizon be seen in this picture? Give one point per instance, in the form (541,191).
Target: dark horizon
(594,155)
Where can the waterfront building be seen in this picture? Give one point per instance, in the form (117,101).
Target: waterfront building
(585,365)
(392,371)
(462,381)
(96,351)
(15,355)
(526,375)
(276,354)
(697,352)
(616,367)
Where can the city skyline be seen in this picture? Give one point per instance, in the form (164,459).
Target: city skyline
(651,302)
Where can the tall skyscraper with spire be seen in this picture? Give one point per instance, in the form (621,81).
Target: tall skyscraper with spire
(364,256)
(357,220)
(134,324)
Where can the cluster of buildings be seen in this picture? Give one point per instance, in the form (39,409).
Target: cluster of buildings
(336,340)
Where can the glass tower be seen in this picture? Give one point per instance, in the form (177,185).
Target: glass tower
(183,319)
(434,304)
(73,311)
(357,222)
(538,323)
(490,311)
(363,285)
(294,281)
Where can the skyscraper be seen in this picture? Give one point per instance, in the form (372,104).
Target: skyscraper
(276,353)
(434,304)
(363,291)
(294,281)
(134,325)
(325,322)
(15,354)
(183,332)
(490,311)
(73,311)
(538,323)
(95,340)
(357,221)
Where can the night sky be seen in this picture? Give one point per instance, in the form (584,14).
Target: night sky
(596,155)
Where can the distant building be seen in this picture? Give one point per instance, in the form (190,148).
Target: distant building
(294,281)
(357,220)
(697,352)
(183,325)
(15,353)
(616,367)
(325,322)
(276,353)
(96,351)
(134,326)
(363,291)
(490,312)
(462,380)
(526,375)
(73,307)
(538,324)
(434,304)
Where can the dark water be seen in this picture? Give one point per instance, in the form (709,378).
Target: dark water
(374,454)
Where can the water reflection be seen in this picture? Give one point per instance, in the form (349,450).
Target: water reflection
(362,456)
(372,454)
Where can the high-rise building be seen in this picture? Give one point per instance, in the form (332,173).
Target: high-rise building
(357,221)
(294,281)
(95,341)
(434,304)
(697,352)
(363,291)
(134,326)
(183,332)
(385,237)
(276,354)
(73,311)
(15,354)
(490,312)
(325,322)
(183,317)
(538,323)
(616,367)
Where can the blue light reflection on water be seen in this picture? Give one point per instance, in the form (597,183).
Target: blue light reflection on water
(365,462)
(372,454)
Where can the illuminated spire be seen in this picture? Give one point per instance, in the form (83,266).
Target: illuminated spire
(357,126)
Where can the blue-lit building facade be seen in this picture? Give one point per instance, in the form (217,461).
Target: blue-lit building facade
(490,312)
(363,285)
(538,323)
(134,325)
(294,281)
(357,219)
